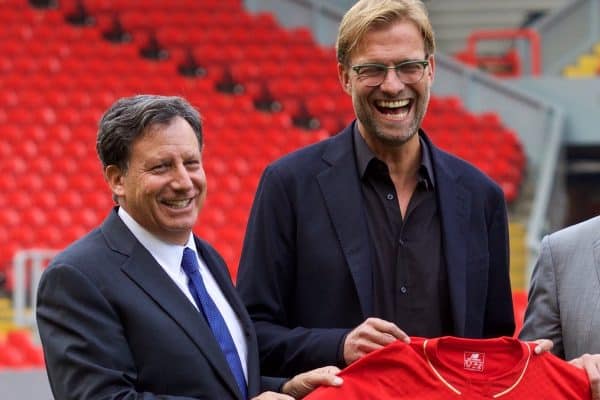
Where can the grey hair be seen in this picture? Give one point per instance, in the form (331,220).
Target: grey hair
(132,117)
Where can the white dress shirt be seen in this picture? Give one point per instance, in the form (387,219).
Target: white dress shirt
(169,258)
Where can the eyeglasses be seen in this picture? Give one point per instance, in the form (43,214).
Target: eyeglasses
(373,74)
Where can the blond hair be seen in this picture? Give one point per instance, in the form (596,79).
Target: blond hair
(370,14)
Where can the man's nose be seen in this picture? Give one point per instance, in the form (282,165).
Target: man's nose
(181,178)
(391,82)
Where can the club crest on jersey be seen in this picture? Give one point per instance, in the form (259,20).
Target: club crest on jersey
(474,361)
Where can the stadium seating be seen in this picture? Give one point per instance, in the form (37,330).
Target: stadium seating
(18,351)
(586,66)
(58,78)
(518,257)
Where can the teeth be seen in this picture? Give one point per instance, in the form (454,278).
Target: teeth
(397,116)
(178,203)
(392,103)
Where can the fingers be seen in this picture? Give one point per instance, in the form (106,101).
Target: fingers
(302,384)
(388,328)
(379,332)
(272,396)
(371,335)
(543,345)
(591,364)
(323,376)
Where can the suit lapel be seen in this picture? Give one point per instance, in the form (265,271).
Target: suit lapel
(454,203)
(143,269)
(340,186)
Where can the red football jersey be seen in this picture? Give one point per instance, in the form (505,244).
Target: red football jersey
(455,368)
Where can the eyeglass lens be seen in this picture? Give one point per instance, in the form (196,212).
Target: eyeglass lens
(408,73)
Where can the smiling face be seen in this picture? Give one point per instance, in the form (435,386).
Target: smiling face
(390,113)
(164,186)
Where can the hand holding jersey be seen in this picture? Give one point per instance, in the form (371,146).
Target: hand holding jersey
(373,334)
(591,364)
(301,385)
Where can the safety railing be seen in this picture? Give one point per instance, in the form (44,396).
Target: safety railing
(514,63)
(28,267)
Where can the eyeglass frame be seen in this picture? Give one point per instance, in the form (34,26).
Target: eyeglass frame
(425,63)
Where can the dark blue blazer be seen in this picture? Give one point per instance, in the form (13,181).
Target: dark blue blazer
(115,326)
(305,273)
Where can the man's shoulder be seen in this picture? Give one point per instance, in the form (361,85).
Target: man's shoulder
(311,152)
(308,160)
(85,253)
(588,230)
(463,171)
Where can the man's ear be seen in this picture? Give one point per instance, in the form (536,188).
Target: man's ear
(431,69)
(114,176)
(344,77)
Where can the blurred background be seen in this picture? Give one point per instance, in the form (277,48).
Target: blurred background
(516,93)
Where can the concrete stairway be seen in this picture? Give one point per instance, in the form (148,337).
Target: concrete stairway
(454,20)
(518,256)
(6,316)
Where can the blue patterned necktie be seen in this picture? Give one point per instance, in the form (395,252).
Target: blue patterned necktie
(213,317)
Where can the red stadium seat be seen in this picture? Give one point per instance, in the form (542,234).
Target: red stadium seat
(60,217)
(31,353)
(70,199)
(9,217)
(45,201)
(56,182)
(10,357)
(34,218)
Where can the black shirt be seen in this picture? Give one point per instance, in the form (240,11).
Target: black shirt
(410,284)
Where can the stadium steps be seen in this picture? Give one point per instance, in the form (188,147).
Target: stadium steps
(518,256)
(456,19)
(6,316)
(586,66)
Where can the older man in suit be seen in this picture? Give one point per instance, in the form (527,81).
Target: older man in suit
(141,308)
(375,234)
(564,296)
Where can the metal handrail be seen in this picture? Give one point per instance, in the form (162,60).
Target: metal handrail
(28,263)
(494,34)
(536,225)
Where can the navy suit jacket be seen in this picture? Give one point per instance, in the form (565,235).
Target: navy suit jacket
(114,325)
(305,273)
